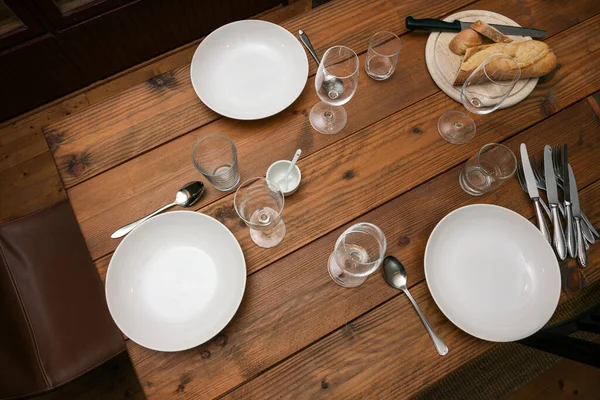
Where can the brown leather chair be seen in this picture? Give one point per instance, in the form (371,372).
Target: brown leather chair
(54,322)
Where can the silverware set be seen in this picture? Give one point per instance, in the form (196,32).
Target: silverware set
(572,238)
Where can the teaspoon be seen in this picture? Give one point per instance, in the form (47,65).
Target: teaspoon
(185,197)
(332,85)
(395,276)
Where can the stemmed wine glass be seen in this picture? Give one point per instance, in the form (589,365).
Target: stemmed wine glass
(483,92)
(358,252)
(260,204)
(335,82)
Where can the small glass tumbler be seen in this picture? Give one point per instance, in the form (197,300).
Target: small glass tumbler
(488,169)
(357,254)
(215,156)
(384,49)
(259,204)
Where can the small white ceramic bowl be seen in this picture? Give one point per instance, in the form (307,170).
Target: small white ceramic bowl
(276,172)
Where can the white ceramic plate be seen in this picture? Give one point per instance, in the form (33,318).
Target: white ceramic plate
(175,281)
(249,69)
(492,273)
(443,64)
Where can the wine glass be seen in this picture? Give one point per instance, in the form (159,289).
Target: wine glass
(335,82)
(483,92)
(260,204)
(358,252)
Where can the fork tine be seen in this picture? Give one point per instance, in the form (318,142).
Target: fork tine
(534,167)
(557,159)
(521,176)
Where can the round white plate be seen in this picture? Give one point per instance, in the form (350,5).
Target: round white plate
(175,281)
(249,69)
(443,64)
(492,273)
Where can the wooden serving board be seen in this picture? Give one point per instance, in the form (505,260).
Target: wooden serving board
(443,64)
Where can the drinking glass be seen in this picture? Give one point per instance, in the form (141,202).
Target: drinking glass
(215,157)
(488,169)
(335,82)
(384,49)
(260,204)
(357,254)
(483,92)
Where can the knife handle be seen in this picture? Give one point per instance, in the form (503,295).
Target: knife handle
(541,220)
(570,234)
(557,234)
(430,24)
(581,252)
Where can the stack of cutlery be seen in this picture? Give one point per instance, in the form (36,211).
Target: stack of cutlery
(572,238)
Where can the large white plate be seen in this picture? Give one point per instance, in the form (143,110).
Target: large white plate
(443,64)
(249,69)
(492,273)
(175,281)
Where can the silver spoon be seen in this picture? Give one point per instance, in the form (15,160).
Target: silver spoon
(186,196)
(395,276)
(332,85)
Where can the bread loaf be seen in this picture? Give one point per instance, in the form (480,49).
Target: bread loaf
(465,39)
(533,57)
(490,32)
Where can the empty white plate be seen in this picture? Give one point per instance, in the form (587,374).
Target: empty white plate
(175,281)
(249,69)
(492,273)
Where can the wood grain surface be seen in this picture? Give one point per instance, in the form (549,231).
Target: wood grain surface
(297,334)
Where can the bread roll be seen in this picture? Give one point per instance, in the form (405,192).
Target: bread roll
(465,39)
(533,57)
(490,32)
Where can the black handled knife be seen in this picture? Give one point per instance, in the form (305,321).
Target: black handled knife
(437,25)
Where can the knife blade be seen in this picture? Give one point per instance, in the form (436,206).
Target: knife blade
(570,233)
(558,235)
(581,251)
(437,25)
(532,190)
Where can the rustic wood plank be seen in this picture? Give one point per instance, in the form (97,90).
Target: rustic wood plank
(29,187)
(166,107)
(22,138)
(412,132)
(278,318)
(362,358)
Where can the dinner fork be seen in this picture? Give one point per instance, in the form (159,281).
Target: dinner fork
(523,183)
(541,183)
(557,164)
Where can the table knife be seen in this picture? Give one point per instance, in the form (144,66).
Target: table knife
(437,25)
(581,250)
(570,233)
(534,195)
(558,236)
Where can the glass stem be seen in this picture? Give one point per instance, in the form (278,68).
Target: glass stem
(328,115)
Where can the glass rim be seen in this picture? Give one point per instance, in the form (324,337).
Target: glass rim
(381,54)
(247,183)
(233,150)
(337,76)
(499,145)
(501,83)
(382,243)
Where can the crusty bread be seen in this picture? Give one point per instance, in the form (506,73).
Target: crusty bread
(490,32)
(535,59)
(465,39)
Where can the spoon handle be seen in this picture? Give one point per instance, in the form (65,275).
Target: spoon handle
(306,42)
(129,227)
(439,344)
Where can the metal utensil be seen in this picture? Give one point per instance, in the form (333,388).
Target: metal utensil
(558,235)
(521,178)
(330,83)
(185,197)
(395,276)
(570,236)
(586,227)
(437,25)
(581,250)
(534,195)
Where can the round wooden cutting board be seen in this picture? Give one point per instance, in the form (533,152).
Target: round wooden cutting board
(443,64)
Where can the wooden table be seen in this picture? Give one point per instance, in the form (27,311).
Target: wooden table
(297,334)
